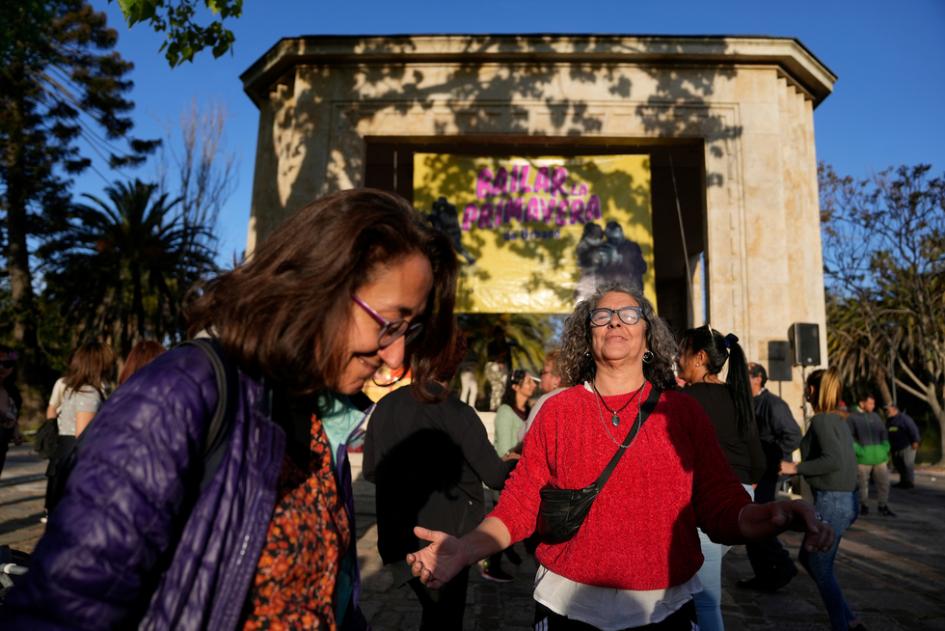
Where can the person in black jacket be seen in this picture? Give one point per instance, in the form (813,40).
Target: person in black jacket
(429,461)
(779,435)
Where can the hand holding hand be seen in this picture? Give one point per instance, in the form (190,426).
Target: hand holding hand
(510,456)
(788,468)
(440,561)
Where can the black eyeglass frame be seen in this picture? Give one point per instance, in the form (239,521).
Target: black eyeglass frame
(621,315)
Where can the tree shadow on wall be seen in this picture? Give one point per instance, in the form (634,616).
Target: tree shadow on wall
(517,95)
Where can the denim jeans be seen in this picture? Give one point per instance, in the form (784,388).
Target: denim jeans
(839,509)
(708,601)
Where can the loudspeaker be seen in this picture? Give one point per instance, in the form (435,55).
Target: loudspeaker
(779,360)
(805,343)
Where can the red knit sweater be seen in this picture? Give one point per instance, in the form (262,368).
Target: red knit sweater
(641,531)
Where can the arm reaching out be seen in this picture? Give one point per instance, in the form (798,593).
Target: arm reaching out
(446,555)
(759,521)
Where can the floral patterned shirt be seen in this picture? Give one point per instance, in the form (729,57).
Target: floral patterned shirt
(308,536)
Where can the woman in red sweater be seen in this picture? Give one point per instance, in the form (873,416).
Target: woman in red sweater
(633,561)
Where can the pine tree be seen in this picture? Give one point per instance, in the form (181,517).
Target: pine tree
(62,95)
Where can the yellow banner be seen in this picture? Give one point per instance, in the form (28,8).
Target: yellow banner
(536,235)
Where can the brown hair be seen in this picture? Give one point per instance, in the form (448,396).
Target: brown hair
(283,314)
(89,366)
(553,357)
(827,389)
(141,353)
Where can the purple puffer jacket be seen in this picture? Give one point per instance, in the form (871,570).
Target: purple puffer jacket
(110,557)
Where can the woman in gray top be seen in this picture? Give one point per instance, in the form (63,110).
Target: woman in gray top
(89,367)
(829,466)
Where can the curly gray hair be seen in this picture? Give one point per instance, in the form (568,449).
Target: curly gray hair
(577,362)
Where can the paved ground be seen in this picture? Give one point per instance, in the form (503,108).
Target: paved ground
(892,569)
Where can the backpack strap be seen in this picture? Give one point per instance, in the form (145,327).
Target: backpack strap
(221,423)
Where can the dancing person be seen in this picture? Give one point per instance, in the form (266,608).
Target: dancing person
(429,460)
(633,560)
(703,352)
(828,463)
(84,393)
(263,534)
(141,354)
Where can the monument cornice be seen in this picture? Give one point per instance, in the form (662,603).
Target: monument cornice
(795,62)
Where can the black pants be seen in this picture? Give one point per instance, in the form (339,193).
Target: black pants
(769,560)
(442,608)
(6,435)
(56,482)
(683,619)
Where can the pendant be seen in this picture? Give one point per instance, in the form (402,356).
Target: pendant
(615,420)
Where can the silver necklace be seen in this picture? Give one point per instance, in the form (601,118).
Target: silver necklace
(600,415)
(615,414)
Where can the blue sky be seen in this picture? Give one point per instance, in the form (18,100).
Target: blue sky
(886,109)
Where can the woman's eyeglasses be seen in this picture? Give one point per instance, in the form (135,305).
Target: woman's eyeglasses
(391,330)
(602,316)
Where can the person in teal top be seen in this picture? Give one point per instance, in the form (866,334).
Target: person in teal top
(509,427)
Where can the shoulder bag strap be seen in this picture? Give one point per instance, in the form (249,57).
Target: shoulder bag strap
(645,410)
(227,387)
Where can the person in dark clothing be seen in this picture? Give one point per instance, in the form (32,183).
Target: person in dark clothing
(703,353)
(903,443)
(779,436)
(10,402)
(429,461)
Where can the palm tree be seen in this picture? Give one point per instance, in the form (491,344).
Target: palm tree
(123,266)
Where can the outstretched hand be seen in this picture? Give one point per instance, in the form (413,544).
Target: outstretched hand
(759,521)
(440,561)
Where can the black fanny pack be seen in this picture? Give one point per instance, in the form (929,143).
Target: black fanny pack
(562,511)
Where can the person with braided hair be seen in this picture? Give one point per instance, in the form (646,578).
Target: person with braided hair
(703,352)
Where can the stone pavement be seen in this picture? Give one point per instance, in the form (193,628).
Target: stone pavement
(892,570)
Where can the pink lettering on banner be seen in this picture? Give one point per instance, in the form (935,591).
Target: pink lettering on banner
(485,215)
(534,209)
(547,209)
(523,186)
(561,212)
(500,182)
(501,213)
(541,180)
(593,208)
(558,179)
(577,211)
(515,209)
(579,190)
(484,183)
(470,215)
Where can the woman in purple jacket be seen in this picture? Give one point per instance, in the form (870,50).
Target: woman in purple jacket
(150,535)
